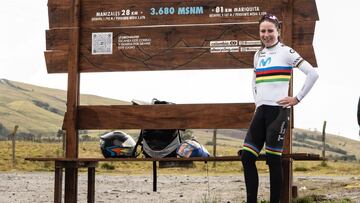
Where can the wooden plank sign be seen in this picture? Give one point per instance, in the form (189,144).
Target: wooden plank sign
(179,116)
(123,13)
(144,35)
(118,35)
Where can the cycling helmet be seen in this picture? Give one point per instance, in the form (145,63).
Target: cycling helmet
(191,148)
(117,144)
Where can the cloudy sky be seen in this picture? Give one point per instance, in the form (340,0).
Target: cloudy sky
(333,98)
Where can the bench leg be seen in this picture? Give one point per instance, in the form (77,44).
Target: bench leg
(91,184)
(154,176)
(71,180)
(287,182)
(58,184)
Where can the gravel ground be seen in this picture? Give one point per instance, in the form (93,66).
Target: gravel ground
(38,187)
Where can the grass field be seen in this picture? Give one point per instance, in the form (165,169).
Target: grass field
(91,149)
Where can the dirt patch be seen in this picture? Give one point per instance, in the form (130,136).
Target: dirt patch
(329,187)
(38,187)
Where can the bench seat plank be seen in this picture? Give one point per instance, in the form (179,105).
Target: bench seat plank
(295,156)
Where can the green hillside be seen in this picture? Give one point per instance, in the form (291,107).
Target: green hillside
(37,110)
(336,147)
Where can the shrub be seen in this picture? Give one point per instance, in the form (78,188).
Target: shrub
(107,166)
(301,168)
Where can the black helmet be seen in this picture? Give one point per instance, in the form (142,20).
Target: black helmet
(117,144)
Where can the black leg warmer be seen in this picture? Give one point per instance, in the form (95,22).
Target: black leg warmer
(276,176)
(251,176)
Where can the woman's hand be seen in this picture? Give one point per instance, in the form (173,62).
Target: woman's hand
(288,101)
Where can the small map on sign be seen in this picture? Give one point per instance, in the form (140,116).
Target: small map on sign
(102,43)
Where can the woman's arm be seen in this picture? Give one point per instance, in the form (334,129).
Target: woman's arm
(311,77)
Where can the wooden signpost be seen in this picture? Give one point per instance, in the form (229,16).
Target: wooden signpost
(154,35)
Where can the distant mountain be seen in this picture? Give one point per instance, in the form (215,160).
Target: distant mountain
(37,110)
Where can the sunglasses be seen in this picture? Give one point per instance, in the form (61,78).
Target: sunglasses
(271,18)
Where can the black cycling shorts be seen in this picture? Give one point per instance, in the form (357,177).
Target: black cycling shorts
(267,126)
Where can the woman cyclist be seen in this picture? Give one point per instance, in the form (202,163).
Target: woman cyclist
(273,65)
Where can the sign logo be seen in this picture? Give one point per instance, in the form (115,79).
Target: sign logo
(265,62)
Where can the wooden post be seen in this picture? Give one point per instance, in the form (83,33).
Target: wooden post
(13,150)
(71,174)
(154,177)
(13,138)
(73,86)
(323,140)
(287,33)
(64,143)
(214,146)
(58,182)
(91,184)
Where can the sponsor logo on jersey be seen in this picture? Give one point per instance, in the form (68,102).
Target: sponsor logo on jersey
(297,61)
(265,62)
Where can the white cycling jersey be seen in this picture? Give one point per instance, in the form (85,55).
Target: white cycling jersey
(272,72)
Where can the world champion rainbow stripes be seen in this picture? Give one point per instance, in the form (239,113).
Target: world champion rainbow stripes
(252,149)
(273,74)
(274,151)
(255,151)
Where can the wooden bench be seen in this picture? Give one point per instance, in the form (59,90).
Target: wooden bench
(92,163)
(176,42)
